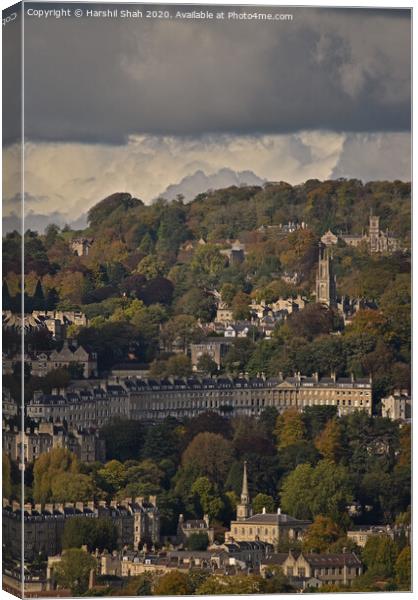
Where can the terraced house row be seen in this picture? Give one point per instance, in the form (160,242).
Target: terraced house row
(152,400)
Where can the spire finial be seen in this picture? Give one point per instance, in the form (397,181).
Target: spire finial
(244,492)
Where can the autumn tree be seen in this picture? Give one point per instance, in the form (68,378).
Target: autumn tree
(173,583)
(208,454)
(328,442)
(321,535)
(290,428)
(403,569)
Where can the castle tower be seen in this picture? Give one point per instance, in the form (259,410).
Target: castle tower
(325,280)
(244,509)
(374,233)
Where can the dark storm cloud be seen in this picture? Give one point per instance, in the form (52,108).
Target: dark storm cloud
(100,80)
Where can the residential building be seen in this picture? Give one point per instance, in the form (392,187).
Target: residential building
(186,528)
(87,445)
(329,569)
(41,363)
(137,521)
(216,348)
(88,405)
(397,406)
(376,240)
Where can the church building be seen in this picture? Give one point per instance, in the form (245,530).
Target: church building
(272,528)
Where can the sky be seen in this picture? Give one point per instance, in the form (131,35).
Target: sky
(138,105)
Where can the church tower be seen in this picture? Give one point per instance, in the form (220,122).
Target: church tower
(244,510)
(325,280)
(374,233)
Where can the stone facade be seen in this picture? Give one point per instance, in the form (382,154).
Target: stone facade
(151,400)
(85,444)
(271,528)
(216,348)
(376,240)
(137,521)
(330,569)
(42,363)
(397,406)
(186,528)
(81,246)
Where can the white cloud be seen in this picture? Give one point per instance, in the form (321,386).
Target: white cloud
(71,177)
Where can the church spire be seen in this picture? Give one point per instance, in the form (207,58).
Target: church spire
(244,509)
(245,497)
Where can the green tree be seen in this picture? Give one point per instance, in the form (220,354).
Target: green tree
(173,583)
(379,555)
(47,468)
(98,533)
(73,570)
(197,541)
(262,501)
(403,569)
(209,498)
(207,365)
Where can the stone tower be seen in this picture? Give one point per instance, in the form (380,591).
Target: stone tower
(244,509)
(325,280)
(374,233)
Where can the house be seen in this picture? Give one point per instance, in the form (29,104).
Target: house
(397,406)
(192,526)
(216,348)
(329,569)
(81,246)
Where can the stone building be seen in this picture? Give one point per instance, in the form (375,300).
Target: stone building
(152,400)
(376,240)
(137,521)
(85,444)
(81,246)
(84,407)
(186,528)
(216,348)
(272,528)
(329,569)
(397,406)
(41,363)
(326,287)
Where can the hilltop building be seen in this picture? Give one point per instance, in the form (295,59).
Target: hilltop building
(272,528)
(81,246)
(326,286)
(376,240)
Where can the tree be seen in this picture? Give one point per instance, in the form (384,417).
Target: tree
(379,555)
(178,365)
(48,467)
(296,492)
(328,442)
(209,499)
(73,570)
(173,583)
(230,584)
(321,535)
(206,364)
(403,569)
(197,541)
(98,533)
(263,501)
(208,454)
(123,438)
(276,582)
(290,428)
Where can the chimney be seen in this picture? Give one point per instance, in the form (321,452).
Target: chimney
(279,511)
(264,510)
(153,500)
